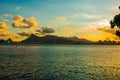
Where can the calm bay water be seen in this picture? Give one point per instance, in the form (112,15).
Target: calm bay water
(60,62)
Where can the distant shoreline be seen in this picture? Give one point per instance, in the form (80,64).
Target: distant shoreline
(49,44)
(56,40)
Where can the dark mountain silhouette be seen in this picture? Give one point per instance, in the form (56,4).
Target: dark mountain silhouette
(2,41)
(52,39)
(9,41)
(76,39)
(48,39)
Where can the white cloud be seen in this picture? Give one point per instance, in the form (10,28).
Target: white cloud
(98,24)
(6,20)
(19,7)
(85,15)
(7,15)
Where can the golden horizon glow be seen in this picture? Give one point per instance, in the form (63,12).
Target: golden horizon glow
(84,19)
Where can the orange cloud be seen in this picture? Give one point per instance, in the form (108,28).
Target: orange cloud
(60,19)
(98,34)
(98,30)
(18,18)
(4,34)
(66,32)
(3,25)
(20,22)
(31,22)
(67,29)
(29,25)
(19,25)
(107,30)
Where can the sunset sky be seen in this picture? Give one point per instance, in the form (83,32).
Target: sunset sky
(87,19)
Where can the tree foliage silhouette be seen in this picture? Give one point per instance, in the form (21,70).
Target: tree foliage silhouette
(116,22)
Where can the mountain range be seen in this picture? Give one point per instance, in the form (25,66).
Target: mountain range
(52,39)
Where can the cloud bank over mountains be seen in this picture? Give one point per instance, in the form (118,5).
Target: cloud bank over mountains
(21,27)
(25,26)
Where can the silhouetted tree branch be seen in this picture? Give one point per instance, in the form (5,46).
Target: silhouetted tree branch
(116,22)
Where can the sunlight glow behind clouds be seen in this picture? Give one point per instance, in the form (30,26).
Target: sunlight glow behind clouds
(79,15)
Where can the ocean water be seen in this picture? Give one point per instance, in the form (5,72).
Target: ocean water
(60,62)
